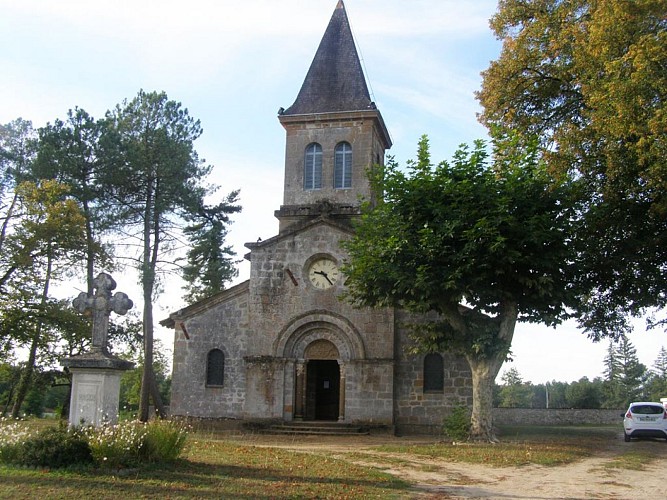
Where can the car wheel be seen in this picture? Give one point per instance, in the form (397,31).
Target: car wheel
(626,437)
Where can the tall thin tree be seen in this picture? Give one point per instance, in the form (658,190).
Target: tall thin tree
(155,178)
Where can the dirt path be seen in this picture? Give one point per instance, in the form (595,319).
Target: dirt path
(590,478)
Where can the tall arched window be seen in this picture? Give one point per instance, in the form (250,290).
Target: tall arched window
(312,172)
(343,166)
(434,373)
(215,367)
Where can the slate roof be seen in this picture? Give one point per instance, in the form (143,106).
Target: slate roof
(335,81)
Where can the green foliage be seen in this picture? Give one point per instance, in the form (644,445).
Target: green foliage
(33,405)
(165,440)
(466,231)
(587,78)
(456,425)
(210,263)
(130,382)
(584,394)
(121,445)
(129,443)
(624,374)
(134,173)
(72,152)
(514,393)
(656,386)
(55,447)
(13,433)
(481,241)
(9,377)
(154,180)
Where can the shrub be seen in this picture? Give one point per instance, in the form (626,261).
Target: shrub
(119,445)
(130,443)
(126,444)
(165,440)
(55,447)
(13,433)
(456,425)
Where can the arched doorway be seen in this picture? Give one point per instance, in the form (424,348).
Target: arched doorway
(322,389)
(319,384)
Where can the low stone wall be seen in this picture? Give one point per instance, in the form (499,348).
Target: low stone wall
(541,416)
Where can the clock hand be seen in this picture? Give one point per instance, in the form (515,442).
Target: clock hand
(326,276)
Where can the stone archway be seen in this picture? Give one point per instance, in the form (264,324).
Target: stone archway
(313,338)
(320,383)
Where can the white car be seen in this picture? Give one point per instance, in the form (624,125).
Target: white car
(645,419)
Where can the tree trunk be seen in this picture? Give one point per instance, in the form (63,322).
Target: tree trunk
(484,371)
(149,265)
(26,376)
(148,356)
(483,375)
(90,249)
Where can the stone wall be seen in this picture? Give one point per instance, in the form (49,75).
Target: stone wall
(415,410)
(222,323)
(369,396)
(541,416)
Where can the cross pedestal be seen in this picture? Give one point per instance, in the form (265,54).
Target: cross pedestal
(96,374)
(95,396)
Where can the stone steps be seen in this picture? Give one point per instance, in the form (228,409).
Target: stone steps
(315,429)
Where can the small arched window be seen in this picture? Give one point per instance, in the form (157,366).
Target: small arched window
(312,172)
(215,367)
(343,166)
(434,373)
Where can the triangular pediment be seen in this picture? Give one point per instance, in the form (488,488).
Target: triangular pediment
(300,228)
(206,304)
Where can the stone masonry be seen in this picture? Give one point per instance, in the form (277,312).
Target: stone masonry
(283,345)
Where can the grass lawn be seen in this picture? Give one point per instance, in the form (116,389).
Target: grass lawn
(212,467)
(521,445)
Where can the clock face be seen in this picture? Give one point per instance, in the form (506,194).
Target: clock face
(323,273)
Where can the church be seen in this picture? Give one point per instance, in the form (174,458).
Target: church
(282,346)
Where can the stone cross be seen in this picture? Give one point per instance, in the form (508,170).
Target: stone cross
(102,304)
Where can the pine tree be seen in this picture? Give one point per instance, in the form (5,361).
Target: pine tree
(657,384)
(514,393)
(625,376)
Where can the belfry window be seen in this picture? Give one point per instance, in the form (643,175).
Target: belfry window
(434,374)
(312,172)
(343,166)
(215,368)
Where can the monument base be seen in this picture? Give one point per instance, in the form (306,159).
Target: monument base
(95,388)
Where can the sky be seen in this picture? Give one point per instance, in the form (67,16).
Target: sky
(233,64)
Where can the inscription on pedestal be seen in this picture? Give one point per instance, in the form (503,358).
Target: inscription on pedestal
(87,402)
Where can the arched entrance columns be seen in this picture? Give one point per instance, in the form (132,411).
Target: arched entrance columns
(322,344)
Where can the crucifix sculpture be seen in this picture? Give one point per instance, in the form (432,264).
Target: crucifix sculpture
(101,304)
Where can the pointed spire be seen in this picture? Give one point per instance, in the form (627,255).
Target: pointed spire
(335,81)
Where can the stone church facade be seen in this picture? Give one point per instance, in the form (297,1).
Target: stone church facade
(282,346)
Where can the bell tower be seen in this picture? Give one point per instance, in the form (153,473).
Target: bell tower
(334,132)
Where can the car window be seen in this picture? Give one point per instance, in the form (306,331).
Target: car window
(647,409)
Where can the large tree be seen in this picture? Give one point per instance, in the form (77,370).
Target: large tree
(70,152)
(155,178)
(18,145)
(483,243)
(588,78)
(625,376)
(46,242)
(41,240)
